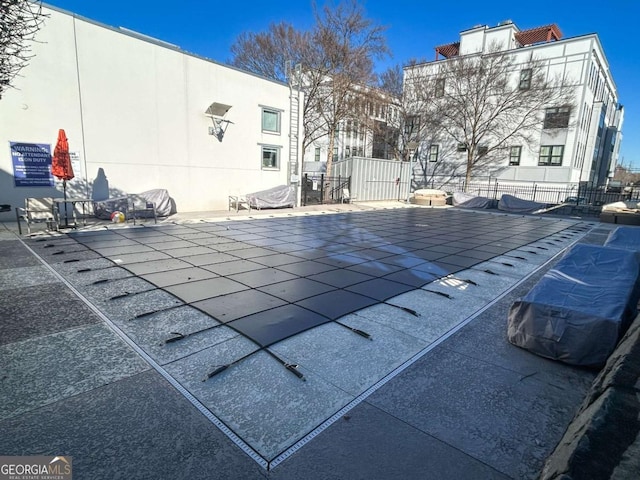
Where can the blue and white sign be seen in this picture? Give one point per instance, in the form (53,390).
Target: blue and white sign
(31,164)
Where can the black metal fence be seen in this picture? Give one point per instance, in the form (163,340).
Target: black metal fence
(579,194)
(321,189)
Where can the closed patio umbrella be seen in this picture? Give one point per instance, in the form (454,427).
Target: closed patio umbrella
(61,167)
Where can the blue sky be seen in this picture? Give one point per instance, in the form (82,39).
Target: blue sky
(414,28)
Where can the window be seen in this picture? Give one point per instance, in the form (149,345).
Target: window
(317,154)
(525,79)
(462,147)
(551,155)
(433,153)
(270,120)
(412,125)
(482,150)
(335,154)
(439,92)
(557,117)
(347,152)
(270,158)
(514,155)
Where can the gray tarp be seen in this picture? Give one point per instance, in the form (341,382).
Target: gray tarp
(464,200)
(276,197)
(159,197)
(509,203)
(579,310)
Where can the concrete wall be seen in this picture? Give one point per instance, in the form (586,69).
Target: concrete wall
(135,109)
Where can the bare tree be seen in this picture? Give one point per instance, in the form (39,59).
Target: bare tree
(344,45)
(271,53)
(391,80)
(485,103)
(335,61)
(20,20)
(626,175)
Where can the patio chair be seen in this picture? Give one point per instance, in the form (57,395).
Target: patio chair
(346,196)
(138,207)
(37,210)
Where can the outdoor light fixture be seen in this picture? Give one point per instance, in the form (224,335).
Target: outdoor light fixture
(217,112)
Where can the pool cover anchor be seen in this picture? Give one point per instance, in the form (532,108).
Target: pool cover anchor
(292,367)
(362,333)
(63,252)
(160,310)
(464,280)
(514,256)
(181,336)
(406,309)
(89,269)
(126,294)
(442,294)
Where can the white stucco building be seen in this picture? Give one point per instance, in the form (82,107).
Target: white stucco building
(584,146)
(134,109)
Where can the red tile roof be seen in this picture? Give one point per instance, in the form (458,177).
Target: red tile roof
(546,33)
(448,51)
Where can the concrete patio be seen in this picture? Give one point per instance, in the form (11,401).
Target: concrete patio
(439,395)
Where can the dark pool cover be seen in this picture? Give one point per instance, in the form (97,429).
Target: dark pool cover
(272,278)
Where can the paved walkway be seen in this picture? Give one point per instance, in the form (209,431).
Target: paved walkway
(473,407)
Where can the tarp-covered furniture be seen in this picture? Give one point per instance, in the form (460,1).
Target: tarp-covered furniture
(579,310)
(161,201)
(464,200)
(623,213)
(626,238)
(149,204)
(429,196)
(139,207)
(277,197)
(509,203)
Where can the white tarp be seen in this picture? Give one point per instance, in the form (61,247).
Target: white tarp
(276,197)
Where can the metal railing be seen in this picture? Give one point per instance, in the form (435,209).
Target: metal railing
(492,188)
(321,189)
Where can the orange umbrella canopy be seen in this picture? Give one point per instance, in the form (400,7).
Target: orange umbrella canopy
(61,167)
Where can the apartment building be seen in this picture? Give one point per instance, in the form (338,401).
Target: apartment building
(571,143)
(371,131)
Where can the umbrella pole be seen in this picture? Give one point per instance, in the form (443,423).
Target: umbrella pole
(66,217)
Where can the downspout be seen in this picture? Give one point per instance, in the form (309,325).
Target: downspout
(84,147)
